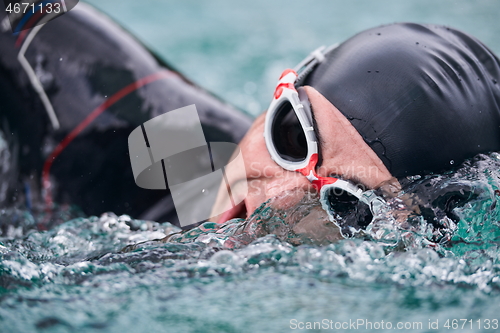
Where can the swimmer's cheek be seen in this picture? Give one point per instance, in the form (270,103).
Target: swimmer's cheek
(316,229)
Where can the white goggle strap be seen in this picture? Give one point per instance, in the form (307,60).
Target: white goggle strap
(314,58)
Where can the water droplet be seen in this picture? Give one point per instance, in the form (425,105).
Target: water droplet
(378,34)
(495,81)
(60,59)
(478,146)
(417,43)
(105,96)
(205,191)
(377,71)
(452,162)
(369,71)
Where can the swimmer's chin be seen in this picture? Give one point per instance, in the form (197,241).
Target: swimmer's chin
(238,211)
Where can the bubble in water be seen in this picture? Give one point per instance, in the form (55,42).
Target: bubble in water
(205,191)
(452,162)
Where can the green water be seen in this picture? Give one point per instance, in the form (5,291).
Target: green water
(109,274)
(238,49)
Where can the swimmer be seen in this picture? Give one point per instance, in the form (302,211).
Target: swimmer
(391,102)
(71,92)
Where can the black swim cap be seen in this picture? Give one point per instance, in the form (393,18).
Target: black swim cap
(423,97)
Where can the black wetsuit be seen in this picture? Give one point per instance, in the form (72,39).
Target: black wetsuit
(82,60)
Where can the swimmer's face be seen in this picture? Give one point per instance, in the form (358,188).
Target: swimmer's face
(343,151)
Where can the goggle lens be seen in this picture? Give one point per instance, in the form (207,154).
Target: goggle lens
(287,133)
(349,212)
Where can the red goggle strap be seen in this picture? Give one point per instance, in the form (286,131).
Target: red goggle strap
(285,83)
(310,172)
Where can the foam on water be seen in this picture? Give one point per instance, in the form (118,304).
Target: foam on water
(118,274)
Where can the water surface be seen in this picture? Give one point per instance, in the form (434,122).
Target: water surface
(111,274)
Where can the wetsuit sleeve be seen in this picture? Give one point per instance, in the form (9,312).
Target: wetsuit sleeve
(73,90)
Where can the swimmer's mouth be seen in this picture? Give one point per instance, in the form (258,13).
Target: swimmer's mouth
(238,211)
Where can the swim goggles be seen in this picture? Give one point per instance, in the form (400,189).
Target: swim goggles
(292,142)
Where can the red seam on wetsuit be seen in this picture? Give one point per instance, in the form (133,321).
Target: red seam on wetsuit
(89,119)
(29,25)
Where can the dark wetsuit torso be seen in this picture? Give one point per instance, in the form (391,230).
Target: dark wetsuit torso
(74,65)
